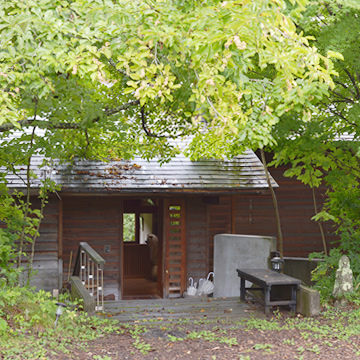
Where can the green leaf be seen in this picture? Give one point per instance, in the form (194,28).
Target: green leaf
(334,54)
(128,90)
(3,325)
(107,52)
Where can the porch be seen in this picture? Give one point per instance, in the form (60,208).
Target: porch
(201,309)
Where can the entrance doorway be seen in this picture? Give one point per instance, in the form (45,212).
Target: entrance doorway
(141,249)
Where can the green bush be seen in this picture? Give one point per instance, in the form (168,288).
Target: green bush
(25,309)
(9,274)
(325,273)
(27,325)
(343,206)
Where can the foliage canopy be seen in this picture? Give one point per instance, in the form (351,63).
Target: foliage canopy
(108,79)
(112,71)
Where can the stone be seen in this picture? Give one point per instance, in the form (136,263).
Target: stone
(344,278)
(308,301)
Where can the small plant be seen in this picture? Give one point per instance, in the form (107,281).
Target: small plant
(300,350)
(229,341)
(219,330)
(263,324)
(305,335)
(315,349)
(174,338)
(142,346)
(262,346)
(289,341)
(204,334)
(277,314)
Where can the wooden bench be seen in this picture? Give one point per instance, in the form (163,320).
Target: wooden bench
(265,279)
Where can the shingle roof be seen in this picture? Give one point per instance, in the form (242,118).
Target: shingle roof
(180,174)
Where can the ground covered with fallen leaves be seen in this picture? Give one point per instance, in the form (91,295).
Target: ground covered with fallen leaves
(281,335)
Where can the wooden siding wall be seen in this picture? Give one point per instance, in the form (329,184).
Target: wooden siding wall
(219,222)
(46,260)
(197,241)
(46,245)
(95,220)
(254,215)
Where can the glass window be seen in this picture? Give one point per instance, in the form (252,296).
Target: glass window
(129,227)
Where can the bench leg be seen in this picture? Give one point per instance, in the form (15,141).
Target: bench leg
(242,289)
(267,291)
(293,298)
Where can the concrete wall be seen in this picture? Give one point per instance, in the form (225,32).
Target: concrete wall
(48,275)
(300,268)
(233,252)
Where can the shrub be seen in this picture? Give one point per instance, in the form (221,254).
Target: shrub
(325,273)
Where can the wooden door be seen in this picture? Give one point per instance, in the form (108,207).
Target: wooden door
(175,247)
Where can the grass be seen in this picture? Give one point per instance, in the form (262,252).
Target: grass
(27,329)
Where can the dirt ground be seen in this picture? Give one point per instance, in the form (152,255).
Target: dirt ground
(219,340)
(121,347)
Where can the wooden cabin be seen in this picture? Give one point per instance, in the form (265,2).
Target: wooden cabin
(114,206)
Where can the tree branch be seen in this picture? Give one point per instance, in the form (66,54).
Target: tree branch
(27,204)
(339,115)
(353,82)
(143,124)
(48,124)
(328,8)
(109,112)
(316,212)
(346,87)
(358,76)
(276,207)
(113,64)
(348,168)
(343,101)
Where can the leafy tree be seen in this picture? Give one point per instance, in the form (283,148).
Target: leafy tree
(325,150)
(109,69)
(107,79)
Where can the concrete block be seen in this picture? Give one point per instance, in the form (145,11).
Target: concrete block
(78,291)
(308,301)
(233,252)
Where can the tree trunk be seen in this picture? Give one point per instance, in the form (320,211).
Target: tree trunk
(276,208)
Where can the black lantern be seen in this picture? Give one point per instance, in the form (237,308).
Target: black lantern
(277,263)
